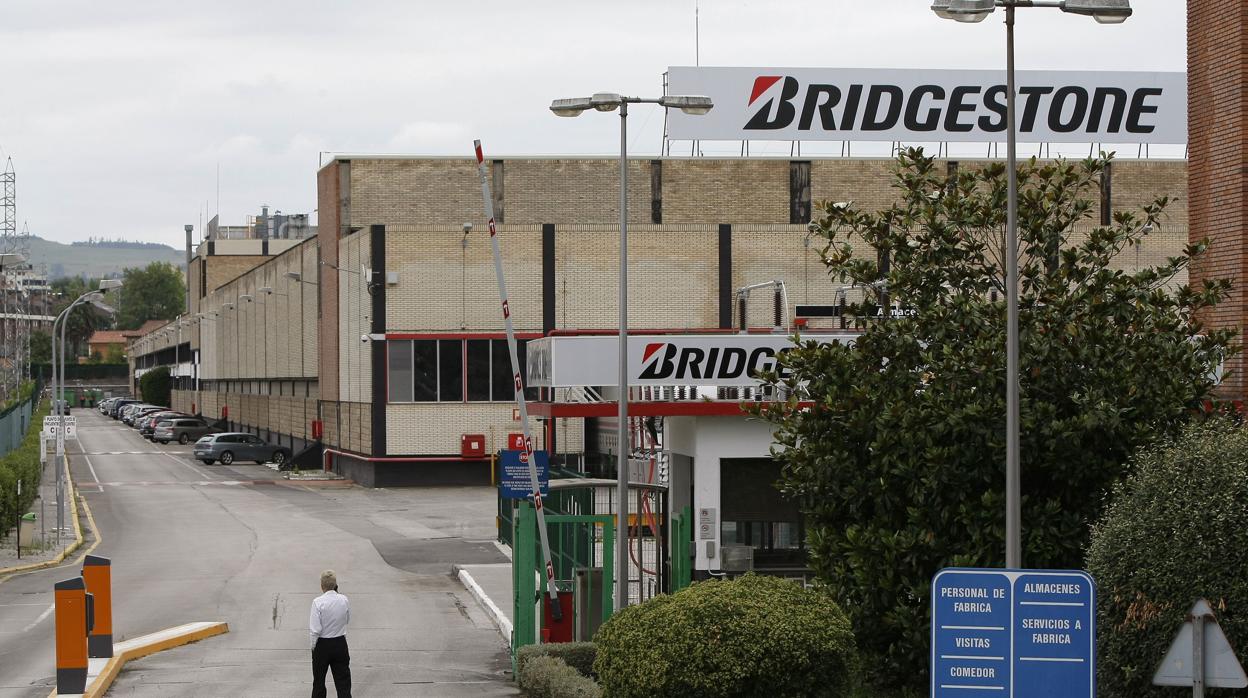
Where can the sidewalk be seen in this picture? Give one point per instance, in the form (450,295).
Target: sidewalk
(490,585)
(44,547)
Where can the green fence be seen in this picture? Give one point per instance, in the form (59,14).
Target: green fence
(15,418)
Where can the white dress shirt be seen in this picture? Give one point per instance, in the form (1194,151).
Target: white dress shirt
(330,614)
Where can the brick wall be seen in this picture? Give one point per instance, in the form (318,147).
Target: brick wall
(445,286)
(334,209)
(1217,66)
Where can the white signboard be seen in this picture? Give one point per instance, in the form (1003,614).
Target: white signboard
(702,359)
(814,104)
(50,426)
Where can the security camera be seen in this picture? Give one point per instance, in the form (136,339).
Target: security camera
(467,228)
(364,338)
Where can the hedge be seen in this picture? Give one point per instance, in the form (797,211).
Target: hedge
(22,463)
(578,655)
(544,676)
(155,386)
(1176,530)
(752,636)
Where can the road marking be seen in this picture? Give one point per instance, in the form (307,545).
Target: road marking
(46,612)
(192,468)
(91,468)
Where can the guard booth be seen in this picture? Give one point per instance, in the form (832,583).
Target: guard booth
(701,475)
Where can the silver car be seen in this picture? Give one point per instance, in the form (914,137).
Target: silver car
(233,446)
(181,429)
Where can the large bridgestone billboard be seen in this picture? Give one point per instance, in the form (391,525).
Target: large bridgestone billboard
(839,104)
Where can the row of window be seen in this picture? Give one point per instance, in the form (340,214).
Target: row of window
(451,370)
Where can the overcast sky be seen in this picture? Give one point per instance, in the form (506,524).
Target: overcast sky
(118,114)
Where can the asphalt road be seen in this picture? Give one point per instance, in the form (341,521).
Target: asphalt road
(191,542)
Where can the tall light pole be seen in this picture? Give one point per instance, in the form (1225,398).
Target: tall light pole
(1105,12)
(95,298)
(605,102)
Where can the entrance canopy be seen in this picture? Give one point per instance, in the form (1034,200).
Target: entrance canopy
(668,374)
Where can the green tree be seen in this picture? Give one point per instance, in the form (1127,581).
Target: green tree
(41,347)
(115,355)
(154,292)
(1176,531)
(898,464)
(155,386)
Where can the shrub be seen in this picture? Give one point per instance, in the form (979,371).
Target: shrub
(155,386)
(1176,530)
(578,655)
(22,463)
(751,636)
(544,676)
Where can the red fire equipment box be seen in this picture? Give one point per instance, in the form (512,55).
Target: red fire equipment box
(472,446)
(515,442)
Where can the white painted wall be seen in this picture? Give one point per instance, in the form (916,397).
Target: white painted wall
(708,440)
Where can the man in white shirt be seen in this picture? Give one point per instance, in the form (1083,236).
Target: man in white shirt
(328,627)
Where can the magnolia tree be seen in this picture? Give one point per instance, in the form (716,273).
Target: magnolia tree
(894,447)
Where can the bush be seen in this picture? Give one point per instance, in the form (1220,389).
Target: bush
(544,676)
(578,655)
(22,463)
(155,386)
(752,636)
(1176,531)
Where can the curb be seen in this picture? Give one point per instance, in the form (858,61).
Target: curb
(7,572)
(500,620)
(133,649)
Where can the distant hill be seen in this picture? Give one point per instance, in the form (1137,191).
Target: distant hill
(96,258)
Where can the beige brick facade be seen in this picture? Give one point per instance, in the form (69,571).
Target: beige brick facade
(305,338)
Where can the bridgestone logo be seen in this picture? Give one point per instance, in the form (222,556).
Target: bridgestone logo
(665,360)
(782,100)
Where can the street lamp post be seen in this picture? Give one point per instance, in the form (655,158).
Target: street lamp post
(94,298)
(1104,12)
(606,102)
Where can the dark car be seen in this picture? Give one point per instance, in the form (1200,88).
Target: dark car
(181,429)
(147,423)
(114,409)
(232,446)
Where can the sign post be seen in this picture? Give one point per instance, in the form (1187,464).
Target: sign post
(1200,656)
(1014,633)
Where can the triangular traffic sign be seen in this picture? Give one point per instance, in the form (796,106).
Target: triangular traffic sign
(1222,669)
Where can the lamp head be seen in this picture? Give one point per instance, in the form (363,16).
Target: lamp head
(697,105)
(1103,11)
(266,290)
(294,276)
(969,11)
(606,101)
(246,297)
(570,107)
(109,284)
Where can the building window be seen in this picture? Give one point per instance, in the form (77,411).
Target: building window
(451,370)
(400,371)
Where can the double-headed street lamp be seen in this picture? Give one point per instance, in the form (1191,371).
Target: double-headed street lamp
(1105,12)
(605,102)
(95,298)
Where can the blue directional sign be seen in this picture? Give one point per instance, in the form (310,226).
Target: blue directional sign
(1013,633)
(514,483)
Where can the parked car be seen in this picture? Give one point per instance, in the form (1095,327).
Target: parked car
(132,412)
(114,410)
(181,429)
(147,423)
(232,446)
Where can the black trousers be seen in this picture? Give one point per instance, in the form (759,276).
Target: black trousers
(331,653)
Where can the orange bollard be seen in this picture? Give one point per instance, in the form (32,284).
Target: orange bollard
(71,636)
(97,572)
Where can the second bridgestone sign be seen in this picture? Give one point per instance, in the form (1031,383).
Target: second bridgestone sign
(810,104)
